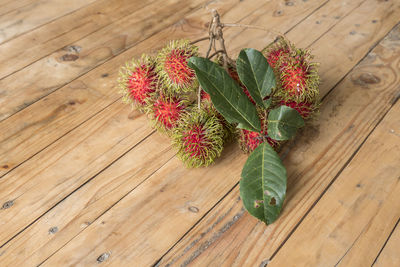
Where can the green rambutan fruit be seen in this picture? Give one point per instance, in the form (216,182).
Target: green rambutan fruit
(199,137)
(248,140)
(297,77)
(138,81)
(166,111)
(172,66)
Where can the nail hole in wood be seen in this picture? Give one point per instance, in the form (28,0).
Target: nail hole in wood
(103,257)
(193,209)
(7,204)
(53,230)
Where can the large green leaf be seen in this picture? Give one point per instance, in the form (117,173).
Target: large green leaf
(226,95)
(263,184)
(256,74)
(283,123)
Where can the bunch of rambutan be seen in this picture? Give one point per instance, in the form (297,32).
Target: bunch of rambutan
(165,88)
(297,84)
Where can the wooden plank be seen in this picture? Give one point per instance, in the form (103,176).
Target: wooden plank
(79,210)
(50,118)
(390,255)
(7,6)
(348,114)
(133,231)
(9,180)
(352,221)
(21,138)
(66,64)
(15,54)
(34,15)
(136,230)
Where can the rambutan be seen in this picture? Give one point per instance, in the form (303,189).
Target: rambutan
(233,73)
(248,140)
(305,109)
(166,111)
(198,137)
(298,77)
(138,81)
(172,66)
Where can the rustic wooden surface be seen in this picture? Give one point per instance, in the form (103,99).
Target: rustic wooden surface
(84,180)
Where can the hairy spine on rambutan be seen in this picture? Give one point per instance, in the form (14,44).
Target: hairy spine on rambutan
(165,112)
(138,81)
(198,137)
(233,73)
(297,77)
(248,140)
(172,66)
(305,109)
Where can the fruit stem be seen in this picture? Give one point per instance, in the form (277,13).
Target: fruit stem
(215,34)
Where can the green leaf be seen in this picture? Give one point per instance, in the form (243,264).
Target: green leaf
(226,95)
(263,184)
(283,123)
(256,74)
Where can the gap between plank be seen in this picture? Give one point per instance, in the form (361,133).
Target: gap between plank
(337,175)
(144,180)
(69,44)
(387,240)
(167,160)
(50,21)
(345,165)
(76,78)
(96,66)
(76,189)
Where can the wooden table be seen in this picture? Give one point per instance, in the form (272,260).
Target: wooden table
(84,180)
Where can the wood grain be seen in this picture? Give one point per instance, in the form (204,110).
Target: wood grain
(71,233)
(62,32)
(360,209)
(67,63)
(35,14)
(143,225)
(129,245)
(349,113)
(70,217)
(21,138)
(390,254)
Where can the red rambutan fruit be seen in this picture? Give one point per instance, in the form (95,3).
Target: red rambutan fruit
(138,81)
(166,111)
(172,66)
(198,137)
(305,109)
(297,77)
(274,56)
(233,73)
(248,140)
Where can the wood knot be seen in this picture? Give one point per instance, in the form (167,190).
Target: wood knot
(5,166)
(278,13)
(289,3)
(73,48)
(7,205)
(193,209)
(69,57)
(365,79)
(103,257)
(53,230)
